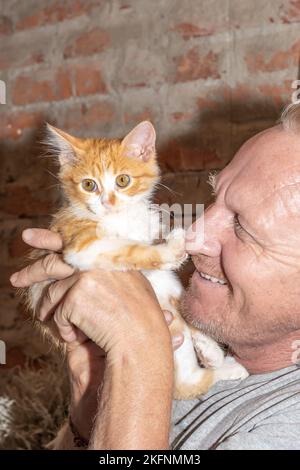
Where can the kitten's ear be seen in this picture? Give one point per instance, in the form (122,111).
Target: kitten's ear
(140,142)
(67,146)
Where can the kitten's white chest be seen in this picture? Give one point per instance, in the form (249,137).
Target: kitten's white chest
(138,223)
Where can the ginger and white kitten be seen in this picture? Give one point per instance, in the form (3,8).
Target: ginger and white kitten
(107,222)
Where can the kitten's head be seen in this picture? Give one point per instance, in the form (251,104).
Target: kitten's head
(106,175)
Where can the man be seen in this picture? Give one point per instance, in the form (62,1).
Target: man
(119,343)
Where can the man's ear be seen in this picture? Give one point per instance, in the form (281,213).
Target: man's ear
(140,142)
(66,146)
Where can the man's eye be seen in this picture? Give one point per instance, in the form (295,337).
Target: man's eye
(237,225)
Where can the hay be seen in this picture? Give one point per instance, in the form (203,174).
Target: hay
(33,403)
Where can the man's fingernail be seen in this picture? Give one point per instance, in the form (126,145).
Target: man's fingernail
(27,235)
(177,340)
(168,316)
(13,278)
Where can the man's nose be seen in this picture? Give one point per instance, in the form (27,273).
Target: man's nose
(204,235)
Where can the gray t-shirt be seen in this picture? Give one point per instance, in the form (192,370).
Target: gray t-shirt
(260,412)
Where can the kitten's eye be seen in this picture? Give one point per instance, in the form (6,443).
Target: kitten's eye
(122,181)
(89,185)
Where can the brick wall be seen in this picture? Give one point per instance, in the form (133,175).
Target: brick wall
(207,73)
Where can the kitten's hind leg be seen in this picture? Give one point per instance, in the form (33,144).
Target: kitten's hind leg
(210,354)
(231,370)
(191,380)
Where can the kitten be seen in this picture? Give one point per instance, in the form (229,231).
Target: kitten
(107,222)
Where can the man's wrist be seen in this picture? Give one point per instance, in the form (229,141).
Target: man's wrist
(83,408)
(137,390)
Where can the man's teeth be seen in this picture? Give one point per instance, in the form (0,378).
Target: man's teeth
(212,278)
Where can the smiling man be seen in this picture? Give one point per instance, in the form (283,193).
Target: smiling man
(251,246)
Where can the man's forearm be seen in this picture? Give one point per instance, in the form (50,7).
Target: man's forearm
(135,404)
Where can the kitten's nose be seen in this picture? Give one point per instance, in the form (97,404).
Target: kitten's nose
(107,200)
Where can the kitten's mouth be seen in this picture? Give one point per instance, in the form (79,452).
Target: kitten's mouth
(213,279)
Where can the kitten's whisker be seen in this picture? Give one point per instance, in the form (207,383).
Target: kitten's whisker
(169,189)
(164,210)
(53,186)
(54,176)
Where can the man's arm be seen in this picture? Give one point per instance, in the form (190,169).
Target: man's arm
(120,314)
(135,402)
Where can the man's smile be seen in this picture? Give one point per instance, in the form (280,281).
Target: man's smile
(211,278)
(206,273)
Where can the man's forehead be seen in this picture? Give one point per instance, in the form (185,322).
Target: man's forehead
(266,163)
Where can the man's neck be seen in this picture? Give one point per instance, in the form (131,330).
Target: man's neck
(279,354)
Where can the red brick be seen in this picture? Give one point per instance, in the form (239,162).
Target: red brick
(188,155)
(21,200)
(11,57)
(82,116)
(16,247)
(192,66)
(135,118)
(189,30)
(290,11)
(89,80)
(5,26)
(275,62)
(56,13)
(88,43)
(181,116)
(13,124)
(45,85)
(15,357)
(278,94)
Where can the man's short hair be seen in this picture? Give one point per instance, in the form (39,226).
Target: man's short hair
(290,117)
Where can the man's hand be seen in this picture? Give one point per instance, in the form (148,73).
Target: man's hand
(117,311)
(105,306)
(86,361)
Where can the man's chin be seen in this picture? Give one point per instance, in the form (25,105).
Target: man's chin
(194,314)
(191,310)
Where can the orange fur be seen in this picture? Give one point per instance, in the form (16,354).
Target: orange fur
(80,221)
(92,158)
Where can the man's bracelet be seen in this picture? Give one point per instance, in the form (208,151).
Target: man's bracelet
(77,439)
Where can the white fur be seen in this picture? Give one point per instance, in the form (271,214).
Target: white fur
(230,370)
(132,221)
(209,352)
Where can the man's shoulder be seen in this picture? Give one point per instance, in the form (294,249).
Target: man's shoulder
(266,403)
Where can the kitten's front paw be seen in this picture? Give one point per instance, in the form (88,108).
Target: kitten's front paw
(77,260)
(175,245)
(231,370)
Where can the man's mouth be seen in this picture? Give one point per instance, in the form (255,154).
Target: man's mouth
(213,279)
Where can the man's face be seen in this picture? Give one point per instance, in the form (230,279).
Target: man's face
(251,242)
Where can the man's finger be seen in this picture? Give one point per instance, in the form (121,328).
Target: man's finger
(42,238)
(168,316)
(48,268)
(69,332)
(177,341)
(53,296)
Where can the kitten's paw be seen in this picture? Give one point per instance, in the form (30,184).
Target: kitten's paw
(175,248)
(208,351)
(231,370)
(77,261)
